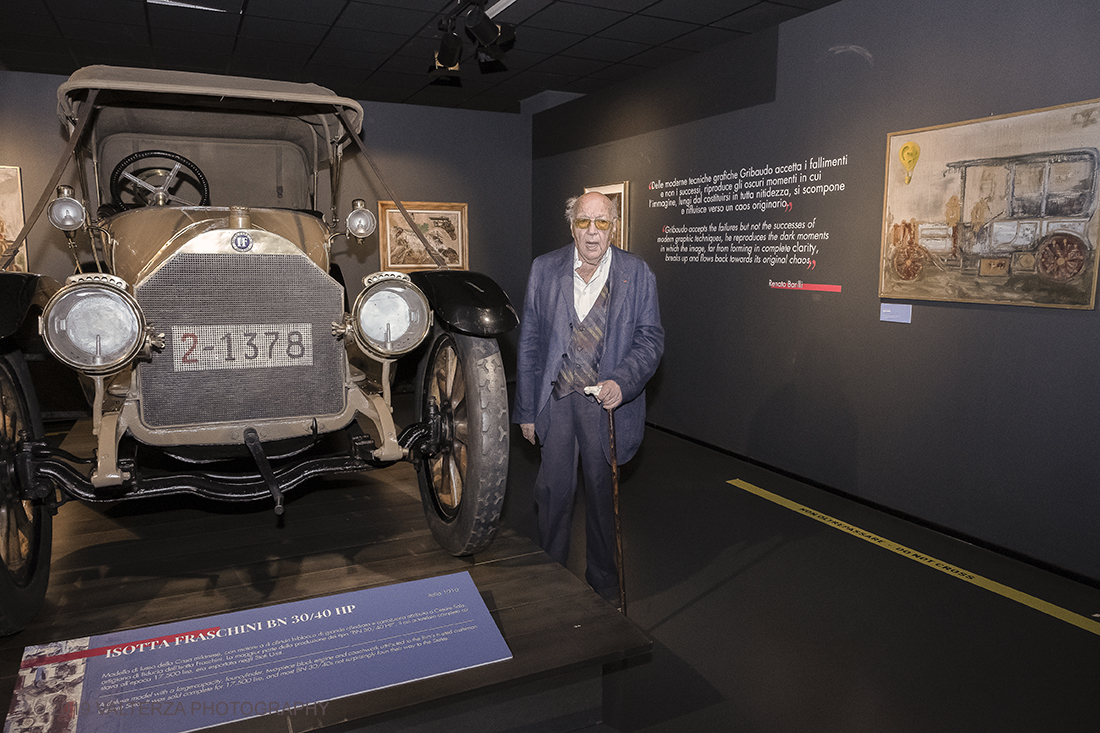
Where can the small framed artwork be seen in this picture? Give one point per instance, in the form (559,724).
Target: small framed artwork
(11,216)
(619,193)
(443,225)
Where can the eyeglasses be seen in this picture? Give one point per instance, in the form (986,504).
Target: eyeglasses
(582,223)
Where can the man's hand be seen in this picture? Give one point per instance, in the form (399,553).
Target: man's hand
(528,429)
(610,395)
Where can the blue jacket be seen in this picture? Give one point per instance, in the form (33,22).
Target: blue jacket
(633,343)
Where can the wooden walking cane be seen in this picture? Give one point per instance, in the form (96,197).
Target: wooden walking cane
(595,390)
(615,503)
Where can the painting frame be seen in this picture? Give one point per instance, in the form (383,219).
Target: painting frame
(401,251)
(11,215)
(1001,210)
(620,194)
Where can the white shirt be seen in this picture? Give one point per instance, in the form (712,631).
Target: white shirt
(586,293)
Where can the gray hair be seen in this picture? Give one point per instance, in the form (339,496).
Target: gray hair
(571,207)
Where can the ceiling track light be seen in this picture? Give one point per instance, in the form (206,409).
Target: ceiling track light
(492,40)
(445,71)
(481,27)
(188,6)
(450,49)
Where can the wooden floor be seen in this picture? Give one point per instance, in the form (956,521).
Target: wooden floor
(135,564)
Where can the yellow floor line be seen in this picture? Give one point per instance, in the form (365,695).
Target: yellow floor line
(1003,590)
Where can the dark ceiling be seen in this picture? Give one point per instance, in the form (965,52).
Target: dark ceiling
(381,50)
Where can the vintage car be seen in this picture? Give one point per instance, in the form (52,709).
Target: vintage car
(211,331)
(1024,216)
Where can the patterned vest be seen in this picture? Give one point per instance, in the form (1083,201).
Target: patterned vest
(582,362)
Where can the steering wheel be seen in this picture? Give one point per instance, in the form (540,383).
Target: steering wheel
(157,195)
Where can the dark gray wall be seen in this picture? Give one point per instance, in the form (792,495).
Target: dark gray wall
(32,138)
(436,154)
(660,99)
(979,418)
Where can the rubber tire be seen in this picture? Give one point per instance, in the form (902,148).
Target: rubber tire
(22,591)
(471,526)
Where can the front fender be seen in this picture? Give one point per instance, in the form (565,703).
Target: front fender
(467,302)
(17,295)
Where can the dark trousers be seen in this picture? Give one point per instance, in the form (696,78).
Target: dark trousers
(575,425)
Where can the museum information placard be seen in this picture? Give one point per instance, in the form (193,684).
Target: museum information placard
(285,660)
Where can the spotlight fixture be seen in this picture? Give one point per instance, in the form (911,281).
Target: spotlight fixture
(447,76)
(445,71)
(481,27)
(492,40)
(506,40)
(495,39)
(450,49)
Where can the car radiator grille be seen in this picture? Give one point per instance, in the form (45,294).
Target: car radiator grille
(226,299)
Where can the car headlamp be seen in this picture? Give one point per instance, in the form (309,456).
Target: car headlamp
(361,222)
(65,212)
(93,324)
(391,316)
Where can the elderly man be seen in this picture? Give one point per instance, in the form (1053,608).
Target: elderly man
(590,319)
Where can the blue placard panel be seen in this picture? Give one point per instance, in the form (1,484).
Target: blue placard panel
(290,659)
(896,312)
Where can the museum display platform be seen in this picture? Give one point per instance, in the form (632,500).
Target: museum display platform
(136,564)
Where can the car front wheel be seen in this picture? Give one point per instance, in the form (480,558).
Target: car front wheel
(25,525)
(461,393)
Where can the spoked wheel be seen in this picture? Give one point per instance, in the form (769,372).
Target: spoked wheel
(908,262)
(461,391)
(1062,257)
(25,526)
